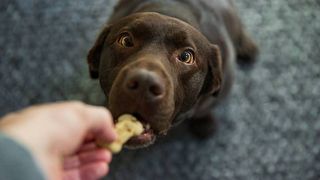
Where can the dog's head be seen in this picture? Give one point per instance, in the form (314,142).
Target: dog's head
(154,67)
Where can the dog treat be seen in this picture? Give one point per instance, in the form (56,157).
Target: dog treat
(126,127)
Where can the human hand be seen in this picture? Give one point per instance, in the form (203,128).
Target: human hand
(61,138)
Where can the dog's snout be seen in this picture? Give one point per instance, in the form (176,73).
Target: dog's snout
(144,83)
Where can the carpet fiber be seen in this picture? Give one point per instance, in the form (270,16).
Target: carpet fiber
(269,128)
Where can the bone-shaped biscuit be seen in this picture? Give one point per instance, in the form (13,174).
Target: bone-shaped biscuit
(126,127)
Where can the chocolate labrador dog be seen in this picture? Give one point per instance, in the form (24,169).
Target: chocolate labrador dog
(168,60)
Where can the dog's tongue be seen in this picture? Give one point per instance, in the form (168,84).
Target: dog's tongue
(146,130)
(143,138)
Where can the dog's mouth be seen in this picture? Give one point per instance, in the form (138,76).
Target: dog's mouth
(147,137)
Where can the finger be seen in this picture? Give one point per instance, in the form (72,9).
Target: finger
(84,123)
(87,147)
(99,122)
(89,138)
(91,171)
(96,119)
(80,159)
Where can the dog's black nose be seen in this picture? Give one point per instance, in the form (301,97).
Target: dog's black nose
(144,83)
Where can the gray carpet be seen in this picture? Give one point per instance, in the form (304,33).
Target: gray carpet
(268,129)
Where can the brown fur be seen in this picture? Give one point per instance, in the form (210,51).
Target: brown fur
(161,30)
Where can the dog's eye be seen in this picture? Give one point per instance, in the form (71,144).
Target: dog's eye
(186,57)
(125,40)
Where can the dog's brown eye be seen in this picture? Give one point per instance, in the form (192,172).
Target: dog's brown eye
(125,40)
(186,57)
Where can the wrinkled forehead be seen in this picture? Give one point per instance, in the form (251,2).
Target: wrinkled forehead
(155,26)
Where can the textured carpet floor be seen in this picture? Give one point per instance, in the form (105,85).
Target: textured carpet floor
(268,129)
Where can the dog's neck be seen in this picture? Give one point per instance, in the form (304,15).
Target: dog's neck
(171,8)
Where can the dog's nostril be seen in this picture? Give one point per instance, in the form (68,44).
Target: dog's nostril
(156,90)
(143,83)
(133,84)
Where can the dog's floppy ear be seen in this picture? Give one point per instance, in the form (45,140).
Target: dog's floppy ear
(94,54)
(212,83)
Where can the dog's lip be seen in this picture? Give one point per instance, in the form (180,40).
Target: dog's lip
(148,135)
(145,138)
